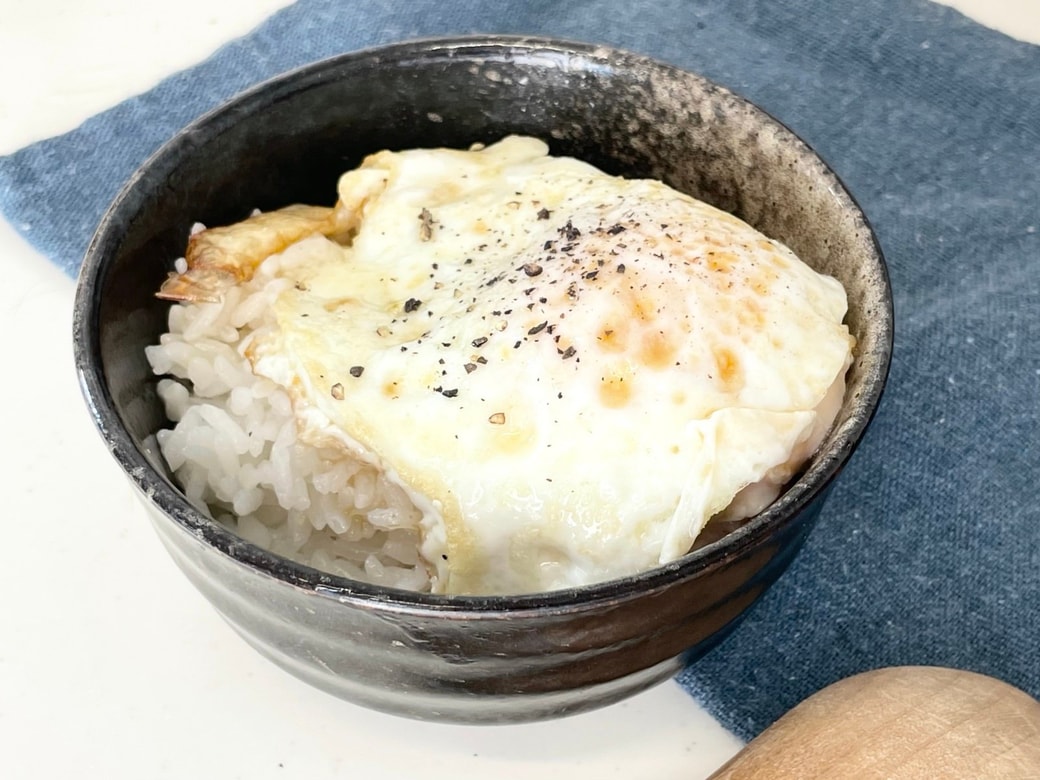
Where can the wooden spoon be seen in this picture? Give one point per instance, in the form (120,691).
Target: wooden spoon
(900,723)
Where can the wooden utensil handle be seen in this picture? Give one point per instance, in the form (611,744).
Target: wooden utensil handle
(900,723)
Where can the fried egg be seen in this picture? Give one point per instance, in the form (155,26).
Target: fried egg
(568,372)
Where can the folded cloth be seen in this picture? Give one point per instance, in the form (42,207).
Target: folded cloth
(928,551)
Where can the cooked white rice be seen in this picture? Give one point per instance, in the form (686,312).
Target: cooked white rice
(235,451)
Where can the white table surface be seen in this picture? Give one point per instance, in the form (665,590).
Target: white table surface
(111,665)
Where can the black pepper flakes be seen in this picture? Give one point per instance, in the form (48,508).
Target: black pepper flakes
(470,367)
(479,342)
(613,230)
(356,371)
(569,232)
(425,225)
(537,328)
(412,304)
(532,269)
(569,352)
(621,268)
(544,213)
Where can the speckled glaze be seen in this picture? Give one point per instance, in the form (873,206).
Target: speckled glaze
(470,659)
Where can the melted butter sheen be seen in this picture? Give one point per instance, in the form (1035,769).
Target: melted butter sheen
(570,372)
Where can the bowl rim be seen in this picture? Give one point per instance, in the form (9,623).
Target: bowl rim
(170,502)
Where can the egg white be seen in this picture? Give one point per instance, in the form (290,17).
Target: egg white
(570,373)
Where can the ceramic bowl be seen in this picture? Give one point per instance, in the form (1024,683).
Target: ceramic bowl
(471,659)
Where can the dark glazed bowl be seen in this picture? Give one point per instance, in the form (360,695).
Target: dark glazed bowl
(470,659)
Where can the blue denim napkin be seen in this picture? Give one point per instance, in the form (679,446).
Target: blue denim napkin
(928,551)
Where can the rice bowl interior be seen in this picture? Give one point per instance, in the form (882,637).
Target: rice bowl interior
(351,393)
